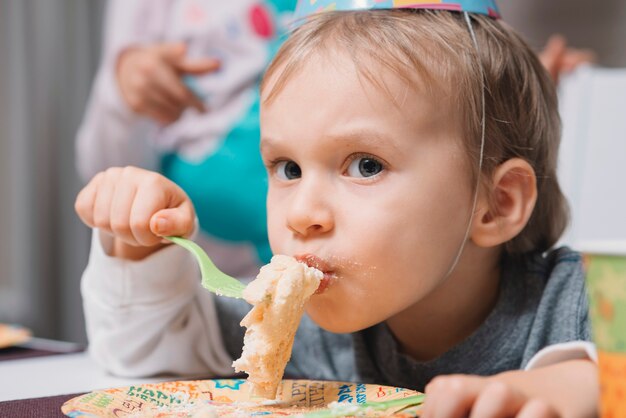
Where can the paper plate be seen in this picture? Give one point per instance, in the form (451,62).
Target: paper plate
(231,398)
(11,335)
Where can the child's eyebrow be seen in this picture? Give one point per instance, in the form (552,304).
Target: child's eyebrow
(371,139)
(367,138)
(267,142)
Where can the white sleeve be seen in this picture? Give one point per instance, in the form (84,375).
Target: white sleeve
(150,316)
(111,134)
(557,353)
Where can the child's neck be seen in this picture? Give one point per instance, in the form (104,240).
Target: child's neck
(447,316)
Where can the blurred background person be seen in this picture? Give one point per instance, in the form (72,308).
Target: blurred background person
(177,92)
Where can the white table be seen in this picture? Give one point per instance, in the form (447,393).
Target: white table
(57,375)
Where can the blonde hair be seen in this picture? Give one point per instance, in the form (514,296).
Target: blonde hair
(435,49)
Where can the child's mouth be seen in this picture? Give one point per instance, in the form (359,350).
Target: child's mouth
(316,262)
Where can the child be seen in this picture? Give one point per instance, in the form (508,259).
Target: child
(371,128)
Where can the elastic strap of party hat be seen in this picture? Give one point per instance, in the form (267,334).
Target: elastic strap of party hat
(481,154)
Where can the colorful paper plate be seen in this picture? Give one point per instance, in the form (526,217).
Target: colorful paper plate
(11,335)
(231,398)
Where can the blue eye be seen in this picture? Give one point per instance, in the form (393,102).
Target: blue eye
(288,170)
(365,167)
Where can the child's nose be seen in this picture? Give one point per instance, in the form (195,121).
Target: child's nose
(310,213)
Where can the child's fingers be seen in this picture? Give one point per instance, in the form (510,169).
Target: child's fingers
(497,400)
(537,409)
(149,199)
(104,198)
(85,201)
(120,212)
(177,221)
(451,396)
(432,394)
(122,201)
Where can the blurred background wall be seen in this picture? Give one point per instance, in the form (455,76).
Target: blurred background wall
(599,25)
(49,51)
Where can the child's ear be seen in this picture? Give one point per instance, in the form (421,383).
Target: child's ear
(505,209)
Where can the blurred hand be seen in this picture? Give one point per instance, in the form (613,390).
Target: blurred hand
(559,59)
(149,79)
(136,206)
(567,389)
(460,396)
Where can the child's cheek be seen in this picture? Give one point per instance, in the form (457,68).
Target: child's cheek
(275,241)
(276,230)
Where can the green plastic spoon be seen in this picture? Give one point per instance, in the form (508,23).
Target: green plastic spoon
(212,278)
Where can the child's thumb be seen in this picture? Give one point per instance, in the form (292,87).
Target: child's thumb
(176,222)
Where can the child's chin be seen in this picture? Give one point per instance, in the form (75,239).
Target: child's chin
(337,322)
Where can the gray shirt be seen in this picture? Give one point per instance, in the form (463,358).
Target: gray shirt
(541,301)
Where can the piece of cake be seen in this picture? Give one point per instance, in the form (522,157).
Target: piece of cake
(278,295)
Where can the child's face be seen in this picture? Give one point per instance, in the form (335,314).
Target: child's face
(380,193)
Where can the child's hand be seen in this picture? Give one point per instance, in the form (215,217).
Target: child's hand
(567,389)
(138,207)
(474,396)
(149,79)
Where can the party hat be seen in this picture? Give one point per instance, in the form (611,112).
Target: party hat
(306,8)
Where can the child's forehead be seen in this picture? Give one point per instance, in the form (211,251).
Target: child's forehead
(415,47)
(328,95)
(398,56)
(393,79)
